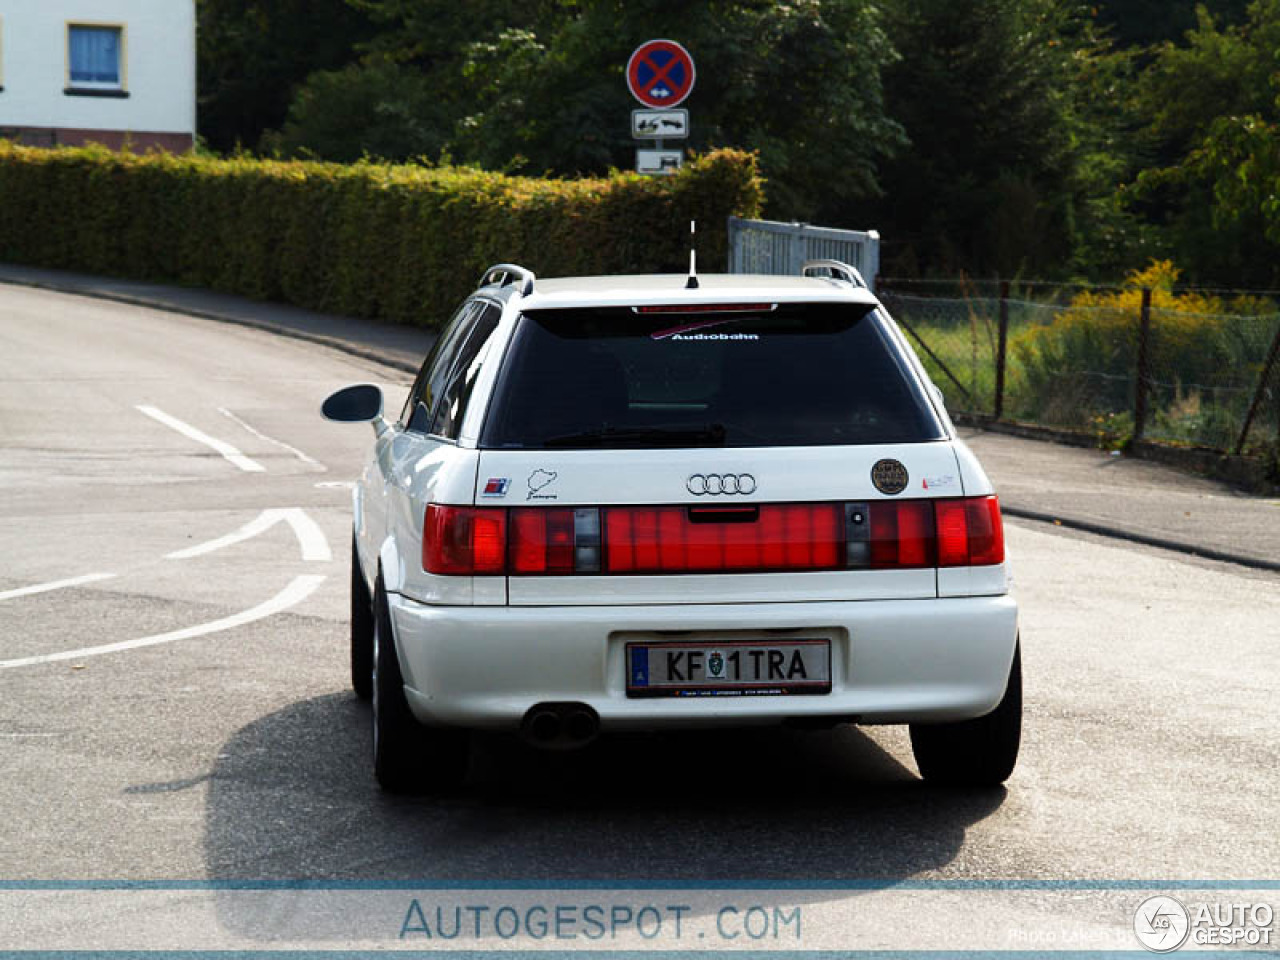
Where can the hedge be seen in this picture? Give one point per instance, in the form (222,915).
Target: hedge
(398,243)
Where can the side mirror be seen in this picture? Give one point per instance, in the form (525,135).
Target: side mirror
(361,403)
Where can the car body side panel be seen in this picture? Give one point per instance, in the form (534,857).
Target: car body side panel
(429,470)
(972,476)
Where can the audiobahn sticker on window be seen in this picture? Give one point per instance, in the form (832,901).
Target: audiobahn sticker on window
(687,331)
(1026,918)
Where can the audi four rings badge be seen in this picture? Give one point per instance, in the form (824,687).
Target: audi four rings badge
(889,476)
(717,484)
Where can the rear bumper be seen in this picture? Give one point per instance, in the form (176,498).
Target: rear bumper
(892,661)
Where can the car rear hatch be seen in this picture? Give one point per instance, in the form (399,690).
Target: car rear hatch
(713,453)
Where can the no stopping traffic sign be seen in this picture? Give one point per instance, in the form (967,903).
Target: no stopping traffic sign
(660,73)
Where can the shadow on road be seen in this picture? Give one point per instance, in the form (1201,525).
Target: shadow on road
(292,797)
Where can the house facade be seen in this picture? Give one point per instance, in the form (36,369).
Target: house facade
(114,72)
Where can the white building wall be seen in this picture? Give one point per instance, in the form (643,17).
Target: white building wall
(159,65)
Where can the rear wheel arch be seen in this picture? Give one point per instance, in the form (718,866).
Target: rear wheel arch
(407,757)
(391,571)
(981,752)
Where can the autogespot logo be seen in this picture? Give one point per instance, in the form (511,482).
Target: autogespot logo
(717,484)
(1161,924)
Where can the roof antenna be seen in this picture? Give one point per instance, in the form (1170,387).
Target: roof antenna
(692,283)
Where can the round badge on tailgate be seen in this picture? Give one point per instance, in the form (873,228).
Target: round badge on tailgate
(889,476)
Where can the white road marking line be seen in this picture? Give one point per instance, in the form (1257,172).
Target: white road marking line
(298,590)
(260,524)
(54,585)
(279,443)
(311,538)
(228,452)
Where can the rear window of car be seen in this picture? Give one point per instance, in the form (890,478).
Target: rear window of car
(778,375)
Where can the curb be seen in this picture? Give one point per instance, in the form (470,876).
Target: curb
(343,346)
(1117,533)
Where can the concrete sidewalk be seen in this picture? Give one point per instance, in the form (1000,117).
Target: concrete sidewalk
(1082,489)
(1134,499)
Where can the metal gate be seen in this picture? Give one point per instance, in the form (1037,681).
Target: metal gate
(767,246)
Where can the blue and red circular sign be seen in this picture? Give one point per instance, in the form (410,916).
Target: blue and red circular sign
(660,73)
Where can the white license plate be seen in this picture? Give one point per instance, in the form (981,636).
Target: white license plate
(729,668)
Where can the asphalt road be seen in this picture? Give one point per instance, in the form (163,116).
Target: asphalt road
(219,740)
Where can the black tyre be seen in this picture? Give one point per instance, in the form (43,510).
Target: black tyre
(978,752)
(361,630)
(407,757)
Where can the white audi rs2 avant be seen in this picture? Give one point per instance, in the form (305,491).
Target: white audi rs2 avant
(658,502)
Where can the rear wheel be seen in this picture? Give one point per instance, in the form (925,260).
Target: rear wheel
(361,629)
(407,757)
(978,752)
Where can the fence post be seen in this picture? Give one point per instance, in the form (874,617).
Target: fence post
(795,249)
(873,259)
(1001,347)
(1272,354)
(1144,368)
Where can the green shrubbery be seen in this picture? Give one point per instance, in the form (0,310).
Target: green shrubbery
(1205,356)
(400,243)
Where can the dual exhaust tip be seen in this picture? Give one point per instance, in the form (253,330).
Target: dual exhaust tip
(560,726)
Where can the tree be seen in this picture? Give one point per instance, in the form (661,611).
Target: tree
(379,109)
(251,54)
(983,90)
(1212,140)
(1145,23)
(540,86)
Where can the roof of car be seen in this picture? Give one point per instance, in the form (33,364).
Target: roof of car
(563,292)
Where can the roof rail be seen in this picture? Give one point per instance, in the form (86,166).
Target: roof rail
(836,270)
(504,273)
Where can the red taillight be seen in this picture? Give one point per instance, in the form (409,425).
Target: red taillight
(927,533)
(986,533)
(487,541)
(907,534)
(464,541)
(953,532)
(902,534)
(879,535)
(970,532)
(542,541)
(710,540)
(707,308)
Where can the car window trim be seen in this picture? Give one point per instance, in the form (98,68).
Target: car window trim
(483,303)
(462,316)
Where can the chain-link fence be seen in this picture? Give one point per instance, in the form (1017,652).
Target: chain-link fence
(1121,364)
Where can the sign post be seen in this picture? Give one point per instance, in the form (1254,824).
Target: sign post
(660,74)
